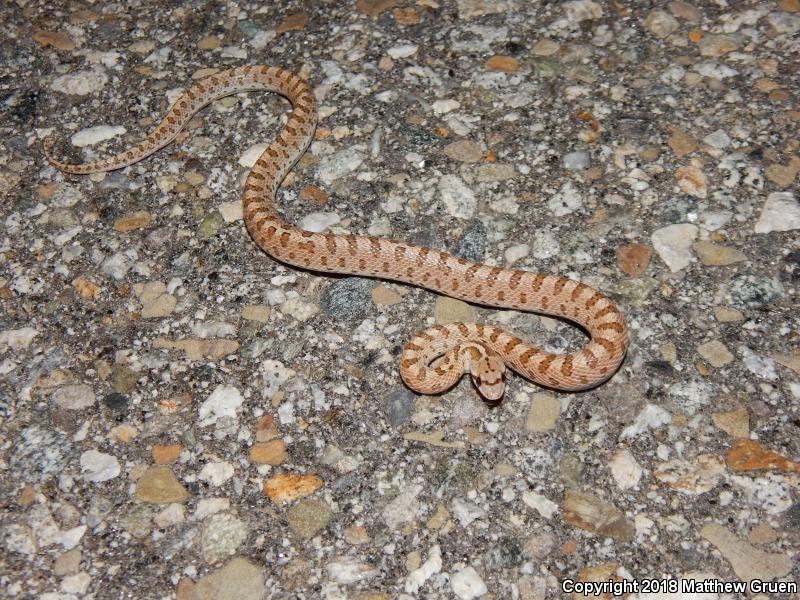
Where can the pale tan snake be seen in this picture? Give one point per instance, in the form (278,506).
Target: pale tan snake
(481,350)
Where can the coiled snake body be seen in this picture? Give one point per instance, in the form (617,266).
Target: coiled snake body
(481,350)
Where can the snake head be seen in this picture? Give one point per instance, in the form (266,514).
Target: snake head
(487,375)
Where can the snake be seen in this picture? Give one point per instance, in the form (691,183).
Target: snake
(435,359)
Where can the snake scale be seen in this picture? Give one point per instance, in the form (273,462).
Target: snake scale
(435,359)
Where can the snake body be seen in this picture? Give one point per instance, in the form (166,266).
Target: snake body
(481,350)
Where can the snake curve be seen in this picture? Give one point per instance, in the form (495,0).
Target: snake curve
(481,350)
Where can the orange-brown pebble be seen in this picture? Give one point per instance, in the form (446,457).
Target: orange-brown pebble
(266,429)
(86,288)
(27,496)
(46,191)
(385,296)
(133,221)
(695,35)
(163,455)
(356,535)
(500,62)
(749,455)
(173,404)
(314,194)
(293,22)
(268,453)
(778,96)
(185,589)
(568,548)
(372,8)
(209,42)
(286,487)
(406,16)
(59,41)
(633,259)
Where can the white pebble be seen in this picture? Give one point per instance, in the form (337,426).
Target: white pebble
(216,473)
(300,309)
(566,201)
(625,470)
(222,402)
(718,139)
(517,252)
(80,83)
(544,506)
(97,466)
(673,244)
(781,212)
(459,200)
(74,397)
(250,156)
(441,107)
(95,135)
(402,51)
(467,584)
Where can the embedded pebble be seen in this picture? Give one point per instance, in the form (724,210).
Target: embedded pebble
(160,486)
(465,151)
(81,83)
(472,243)
(237,580)
(752,291)
(319,221)
(577,161)
(74,397)
(466,512)
(450,310)
(544,506)
(347,299)
(397,52)
(747,562)
(308,517)
(95,135)
(715,255)
(216,473)
(516,252)
(673,244)
(286,487)
(340,164)
(156,302)
(251,155)
(223,402)
(223,534)
(418,576)
(588,512)
(98,466)
(399,406)
(736,423)
(458,198)
(543,413)
(625,470)
(691,477)
(468,584)
(718,139)
(715,353)
(781,212)
(402,509)
(660,23)
(348,570)
(172,515)
(269,453)
(566,201)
